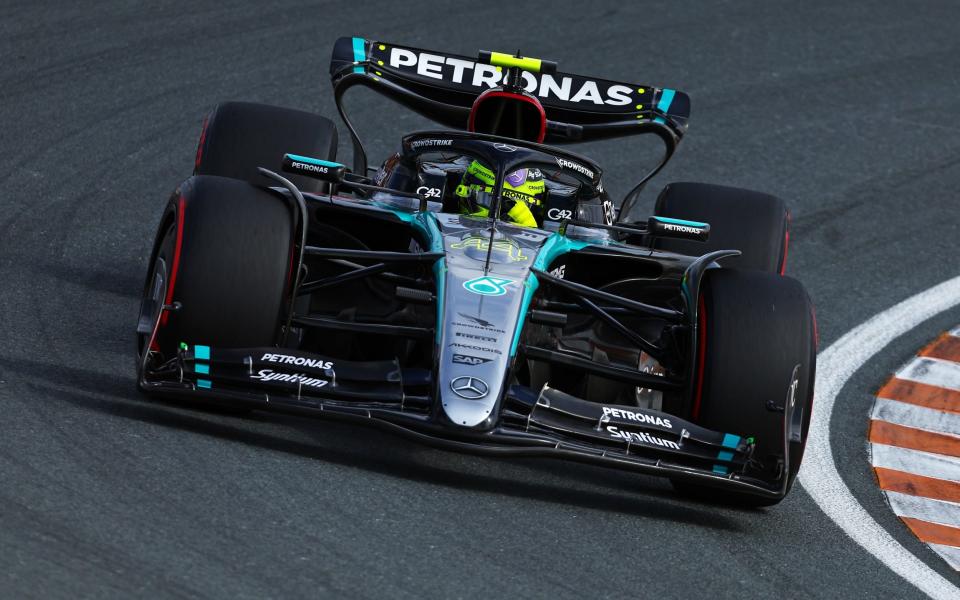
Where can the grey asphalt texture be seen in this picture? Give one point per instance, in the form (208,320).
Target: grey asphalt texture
(848,110)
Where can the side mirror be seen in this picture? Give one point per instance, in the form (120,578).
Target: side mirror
(678,228)
(324,170)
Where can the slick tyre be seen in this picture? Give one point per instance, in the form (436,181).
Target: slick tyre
(756,360)
(238,137)
(755,223)
(223,255)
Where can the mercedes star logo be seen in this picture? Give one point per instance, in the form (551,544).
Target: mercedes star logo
(505,147)
(470,388)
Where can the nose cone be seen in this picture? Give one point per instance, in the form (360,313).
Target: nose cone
(483,309)
(469,400)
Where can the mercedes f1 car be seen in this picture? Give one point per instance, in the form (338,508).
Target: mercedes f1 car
(404,297)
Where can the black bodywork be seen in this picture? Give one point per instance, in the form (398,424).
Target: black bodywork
(475,334)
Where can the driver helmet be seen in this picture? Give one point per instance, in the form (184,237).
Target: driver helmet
(523,192)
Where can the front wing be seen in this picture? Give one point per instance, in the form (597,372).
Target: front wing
(548,423)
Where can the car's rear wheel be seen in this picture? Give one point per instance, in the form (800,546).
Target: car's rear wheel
(223,256)
(755,223)
(238,137)
(756,363)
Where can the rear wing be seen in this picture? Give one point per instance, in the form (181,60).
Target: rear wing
(442,87)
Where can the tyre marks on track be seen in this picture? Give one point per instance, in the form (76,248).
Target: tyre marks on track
(915,445)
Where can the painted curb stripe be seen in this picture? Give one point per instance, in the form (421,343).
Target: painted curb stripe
(933,533)
(947,347)
(918,485)
(932,371)
(949,554)
(925,509)
(921,395)
(911,415)
(914,461)
(915,445)
(891,434)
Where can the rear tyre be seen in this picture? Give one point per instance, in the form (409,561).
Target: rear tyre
(758,354)
(755,223)
(238,137)
(223,253)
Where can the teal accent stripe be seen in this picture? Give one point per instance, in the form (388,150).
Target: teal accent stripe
(681,222)
(660,120)
(314,161)
(530,286)
(201,352)
(730,440)
(359,53)
(556,245)
(201,369)
(666,99)
(204,383)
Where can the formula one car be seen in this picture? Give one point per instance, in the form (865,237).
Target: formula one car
(480,290)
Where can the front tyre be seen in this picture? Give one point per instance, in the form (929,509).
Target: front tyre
(756,360)
(223,256)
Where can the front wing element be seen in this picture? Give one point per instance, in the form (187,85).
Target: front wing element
(550,423)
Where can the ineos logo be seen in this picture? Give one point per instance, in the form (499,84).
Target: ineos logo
(505,147)
(469,388)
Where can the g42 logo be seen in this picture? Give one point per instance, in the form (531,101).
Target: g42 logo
(487,286)
(429,192)
(556,214)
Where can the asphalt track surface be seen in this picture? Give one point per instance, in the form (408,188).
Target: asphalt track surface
(849,111)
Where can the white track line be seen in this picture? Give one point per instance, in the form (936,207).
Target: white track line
(918,417)
(948,553)
(932,371)
(925,509)
(819,476)
(926,464)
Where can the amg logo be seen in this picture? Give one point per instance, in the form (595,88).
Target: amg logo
(429,143)
(646,438)
(467,72)
(309,167)
(298,378)
(569,164)
(639,417)
(681,228)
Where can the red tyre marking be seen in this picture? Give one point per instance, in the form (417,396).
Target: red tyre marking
(701,355)
(786,246)
(203,136)
(176,260)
